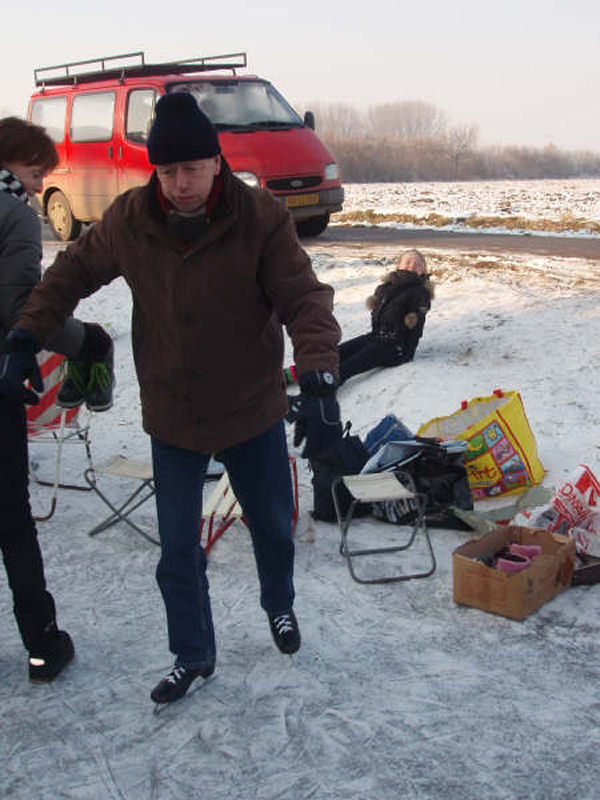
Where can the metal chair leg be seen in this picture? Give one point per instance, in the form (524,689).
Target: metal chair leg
(121,513)
(344,521)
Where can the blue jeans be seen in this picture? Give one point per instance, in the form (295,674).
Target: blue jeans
(260,477)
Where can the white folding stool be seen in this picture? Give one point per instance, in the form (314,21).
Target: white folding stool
(118,466)
(378,487)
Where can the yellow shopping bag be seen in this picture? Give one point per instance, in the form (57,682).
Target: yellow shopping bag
(502,454)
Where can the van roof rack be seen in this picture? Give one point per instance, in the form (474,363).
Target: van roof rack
(105,68)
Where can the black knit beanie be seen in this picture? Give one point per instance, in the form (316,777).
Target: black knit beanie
(181,131)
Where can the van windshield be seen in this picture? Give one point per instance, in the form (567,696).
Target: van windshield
(241,105)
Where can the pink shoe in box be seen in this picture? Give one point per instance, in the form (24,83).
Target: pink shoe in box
(512,563)
(527,550)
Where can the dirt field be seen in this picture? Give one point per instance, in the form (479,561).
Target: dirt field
(571,263)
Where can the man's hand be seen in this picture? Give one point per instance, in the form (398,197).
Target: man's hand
(17,364)
(317,414)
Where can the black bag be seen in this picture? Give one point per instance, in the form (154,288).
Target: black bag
(346,457)
(442,477)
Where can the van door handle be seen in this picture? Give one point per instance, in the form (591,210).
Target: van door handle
(110,151)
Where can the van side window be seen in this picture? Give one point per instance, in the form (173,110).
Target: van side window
(49,112)
(140,111)
(92,117)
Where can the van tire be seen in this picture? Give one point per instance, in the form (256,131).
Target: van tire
(62,223)
(312,226)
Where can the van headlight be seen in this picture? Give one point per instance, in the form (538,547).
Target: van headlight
(249,178)
(332,172)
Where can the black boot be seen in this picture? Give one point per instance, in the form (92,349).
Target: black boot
(72,391)
(49,660)
(50,649)
(99,391)
(90,375)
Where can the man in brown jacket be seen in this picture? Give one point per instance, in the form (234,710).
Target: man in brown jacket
(215,270)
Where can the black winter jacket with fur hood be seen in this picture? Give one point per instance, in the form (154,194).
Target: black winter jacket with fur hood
(399,307)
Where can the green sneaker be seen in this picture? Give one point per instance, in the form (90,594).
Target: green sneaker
(101,382)
(72,392)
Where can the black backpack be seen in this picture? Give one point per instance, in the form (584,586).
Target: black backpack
(346,457)
(442,477)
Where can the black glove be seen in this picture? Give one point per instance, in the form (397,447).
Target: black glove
(18,363)
(317,415)
(96,345)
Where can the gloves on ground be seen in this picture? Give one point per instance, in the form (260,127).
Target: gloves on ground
(317,414)
(17,364)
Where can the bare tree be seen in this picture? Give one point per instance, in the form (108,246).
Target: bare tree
(462,141)
(407,119)
(335,120)
(411,141)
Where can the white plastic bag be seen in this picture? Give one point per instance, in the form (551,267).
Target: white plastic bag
(573,511)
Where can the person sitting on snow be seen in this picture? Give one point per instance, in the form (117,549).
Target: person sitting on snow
(398,310)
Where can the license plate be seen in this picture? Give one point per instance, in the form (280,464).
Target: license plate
(301,200)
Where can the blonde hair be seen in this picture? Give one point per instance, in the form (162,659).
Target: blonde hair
(416,262)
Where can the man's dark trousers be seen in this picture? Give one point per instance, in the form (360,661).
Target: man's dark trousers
(260,477)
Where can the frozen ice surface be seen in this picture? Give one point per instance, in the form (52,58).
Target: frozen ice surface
(396,691)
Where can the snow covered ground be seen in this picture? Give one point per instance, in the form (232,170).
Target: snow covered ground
(535,199)
(555,204)
(396,691)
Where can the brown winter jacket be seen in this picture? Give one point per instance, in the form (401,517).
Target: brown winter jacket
(207,318)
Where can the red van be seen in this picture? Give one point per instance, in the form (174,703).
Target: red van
(98,113)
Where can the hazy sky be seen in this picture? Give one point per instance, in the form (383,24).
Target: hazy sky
(525,72)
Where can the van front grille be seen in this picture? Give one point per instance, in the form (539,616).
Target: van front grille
(294,184)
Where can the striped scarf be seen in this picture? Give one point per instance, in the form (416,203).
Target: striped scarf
(11,184)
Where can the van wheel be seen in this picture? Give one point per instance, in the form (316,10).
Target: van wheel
(62,223)
(312,226)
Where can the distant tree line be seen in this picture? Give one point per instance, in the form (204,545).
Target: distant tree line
(412,141)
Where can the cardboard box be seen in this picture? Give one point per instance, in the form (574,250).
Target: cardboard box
(519,595)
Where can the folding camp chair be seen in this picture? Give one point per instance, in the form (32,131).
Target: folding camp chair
(221,509)
(378,487)
(119,468)
(47,423)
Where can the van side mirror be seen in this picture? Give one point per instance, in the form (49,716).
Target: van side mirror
(309,120)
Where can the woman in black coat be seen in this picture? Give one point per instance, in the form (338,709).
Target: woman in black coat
(398,310)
